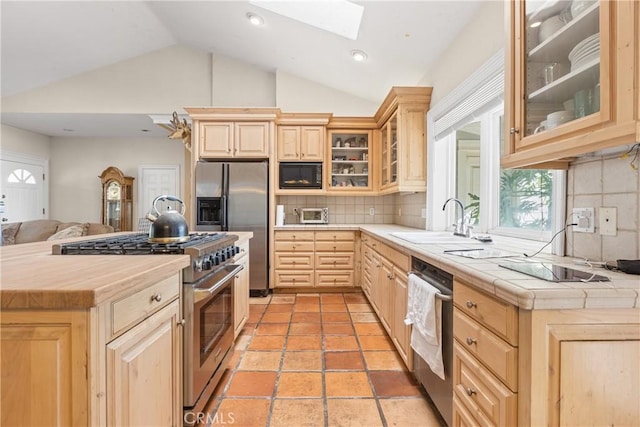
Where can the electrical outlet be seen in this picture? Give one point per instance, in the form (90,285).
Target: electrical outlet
(608,225)
(424,212)
(372,211)
(585,219)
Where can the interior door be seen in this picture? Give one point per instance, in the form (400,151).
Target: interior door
(21,191)
(155,181)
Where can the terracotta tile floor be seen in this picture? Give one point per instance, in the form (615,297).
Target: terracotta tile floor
(317,360)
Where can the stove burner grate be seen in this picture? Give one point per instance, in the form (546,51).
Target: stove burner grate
(135,244)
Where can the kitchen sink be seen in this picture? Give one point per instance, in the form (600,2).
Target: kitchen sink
(431,237)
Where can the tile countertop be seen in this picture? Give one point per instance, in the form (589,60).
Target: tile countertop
(623,291)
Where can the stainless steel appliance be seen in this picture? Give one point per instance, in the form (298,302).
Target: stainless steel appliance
(440,391)
(300,175)
(233,196)
(314,215)
(207,301)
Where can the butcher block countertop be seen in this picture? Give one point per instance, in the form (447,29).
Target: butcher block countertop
(33,278)
(526,292)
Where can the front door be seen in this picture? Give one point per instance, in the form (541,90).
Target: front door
(22,196)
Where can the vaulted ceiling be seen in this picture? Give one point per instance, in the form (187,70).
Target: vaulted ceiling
(43,42)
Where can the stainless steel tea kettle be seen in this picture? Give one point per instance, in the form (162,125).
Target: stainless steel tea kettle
(169,226)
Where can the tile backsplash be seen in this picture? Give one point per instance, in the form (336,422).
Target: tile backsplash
(605,182)
(402,209)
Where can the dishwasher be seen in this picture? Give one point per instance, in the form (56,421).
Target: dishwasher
(440,391)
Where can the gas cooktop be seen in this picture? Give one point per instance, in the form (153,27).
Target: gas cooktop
(554,273)
(135,244)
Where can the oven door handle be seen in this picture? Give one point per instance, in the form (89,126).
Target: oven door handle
(202,293)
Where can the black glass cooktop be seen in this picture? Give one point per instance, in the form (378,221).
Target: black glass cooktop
(553,273)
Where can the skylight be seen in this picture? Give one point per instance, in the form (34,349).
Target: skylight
(340,17)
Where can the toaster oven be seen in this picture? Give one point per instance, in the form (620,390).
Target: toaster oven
(314,215)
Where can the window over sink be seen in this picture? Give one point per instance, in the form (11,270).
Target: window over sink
(464,162)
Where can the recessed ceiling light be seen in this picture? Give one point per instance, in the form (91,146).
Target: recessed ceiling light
(255,19)
(359,55)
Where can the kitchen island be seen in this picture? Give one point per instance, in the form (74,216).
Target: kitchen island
(92,339)
(527,351)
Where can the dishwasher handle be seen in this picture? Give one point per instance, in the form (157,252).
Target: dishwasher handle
(444,295)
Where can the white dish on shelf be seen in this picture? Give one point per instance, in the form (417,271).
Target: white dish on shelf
(590,41)
(587,59)
(550,25)
(557,118)
(579,6)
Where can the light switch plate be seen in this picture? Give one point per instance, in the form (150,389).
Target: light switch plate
(608,224)
(585,219)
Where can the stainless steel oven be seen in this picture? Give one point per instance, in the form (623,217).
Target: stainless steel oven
(208,333)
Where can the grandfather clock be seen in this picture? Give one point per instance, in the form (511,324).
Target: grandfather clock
(117,199)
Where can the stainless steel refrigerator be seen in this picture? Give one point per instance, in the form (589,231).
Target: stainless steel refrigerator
(234,196)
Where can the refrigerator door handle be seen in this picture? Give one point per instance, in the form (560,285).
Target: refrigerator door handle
(224,223)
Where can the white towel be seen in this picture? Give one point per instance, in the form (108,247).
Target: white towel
(424,312)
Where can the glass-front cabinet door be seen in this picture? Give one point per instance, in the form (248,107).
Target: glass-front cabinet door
(565,72)
(350,160)
(117,199)
(570,79)
(389,152)
(562,63)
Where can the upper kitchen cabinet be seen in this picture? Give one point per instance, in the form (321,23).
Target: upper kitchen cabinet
(570,72)
(403,151)
(301,137)
(349,158)
(222,133)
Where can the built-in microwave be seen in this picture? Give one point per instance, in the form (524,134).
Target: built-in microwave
(300,175)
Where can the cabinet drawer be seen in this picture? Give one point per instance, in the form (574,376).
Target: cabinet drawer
(334,278)
(339,260)
(335,235)
(294,261)
(130,310)
(462,417)
(500,317)
(480,391)
(294,235)
(291,246)
(294,278)
(337,246)
(493,352)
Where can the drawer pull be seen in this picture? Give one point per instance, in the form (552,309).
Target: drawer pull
(471,341)
(471,304)
(470,391)
(181,322)
(156,298)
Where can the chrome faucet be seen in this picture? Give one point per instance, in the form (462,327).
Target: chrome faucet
(461,228)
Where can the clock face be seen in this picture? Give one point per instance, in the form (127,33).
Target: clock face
(113,191)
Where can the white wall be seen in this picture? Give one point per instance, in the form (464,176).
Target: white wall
(483,37)
(238,84)
(295,94)
(21,141)
(76,164)
(160,82)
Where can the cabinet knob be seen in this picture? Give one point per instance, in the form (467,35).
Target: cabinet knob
(513,131)
(471,341)
(181,322)
(156,298)
(471,304)
(470,391)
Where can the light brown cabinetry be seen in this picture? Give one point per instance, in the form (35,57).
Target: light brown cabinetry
(485,358)
(581,367)
(241,290)
(349,161)
(384,278)
(96,366)
(301,143)
(551,72)
(403,154)
(234,139)
(315,259)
